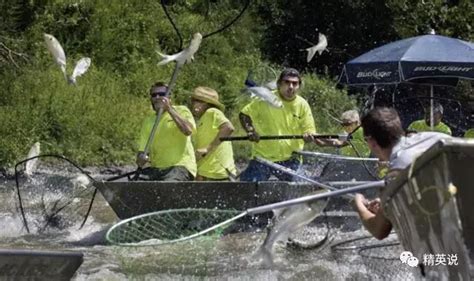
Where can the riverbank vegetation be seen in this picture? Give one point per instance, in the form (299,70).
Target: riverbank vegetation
(96,122)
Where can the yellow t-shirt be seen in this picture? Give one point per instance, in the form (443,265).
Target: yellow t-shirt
(469,134)
(170,147)
(214,164)
(294,118)
(421,126)
(359,143)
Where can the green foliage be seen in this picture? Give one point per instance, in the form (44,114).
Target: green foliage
(94,122)
(449,18)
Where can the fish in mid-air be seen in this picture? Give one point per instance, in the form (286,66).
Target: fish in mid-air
(319,48)
(59,57)
(265,94)
(285,222)
(30,166)
(186,55)
(261,92)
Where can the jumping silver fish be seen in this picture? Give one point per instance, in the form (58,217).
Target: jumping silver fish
(81,67)
(266,95)
(285,222)
(30,166)
(186,55)
(59,57)
(319,48)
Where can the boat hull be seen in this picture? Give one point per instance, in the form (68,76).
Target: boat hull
(129,199)
(16,264)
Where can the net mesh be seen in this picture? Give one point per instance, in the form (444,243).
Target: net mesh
(56,195)
(168,226)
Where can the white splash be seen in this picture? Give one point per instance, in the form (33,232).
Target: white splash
(30,166)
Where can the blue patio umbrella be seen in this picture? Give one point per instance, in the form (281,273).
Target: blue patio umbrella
(426,59)
(430,59)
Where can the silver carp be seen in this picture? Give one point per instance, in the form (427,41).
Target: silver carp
(186,55)
(57,51)
(285,222)
(319,48)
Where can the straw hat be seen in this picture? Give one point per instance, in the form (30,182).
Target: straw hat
(207,95)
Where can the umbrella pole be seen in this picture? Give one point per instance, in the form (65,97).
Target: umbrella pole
(431,109)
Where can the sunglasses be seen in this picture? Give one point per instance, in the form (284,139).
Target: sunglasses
(158,94)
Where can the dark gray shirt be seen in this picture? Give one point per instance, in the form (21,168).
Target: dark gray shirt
(409,148)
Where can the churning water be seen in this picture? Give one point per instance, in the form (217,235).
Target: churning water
(230,257)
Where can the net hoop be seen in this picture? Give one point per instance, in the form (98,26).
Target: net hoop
(356,244)
(113,235)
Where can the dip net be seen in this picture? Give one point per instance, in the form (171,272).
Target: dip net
(170,226)
(56,194)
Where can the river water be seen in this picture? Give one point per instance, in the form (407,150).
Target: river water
(230,257)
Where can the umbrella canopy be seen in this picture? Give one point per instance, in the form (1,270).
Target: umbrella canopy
(430,59)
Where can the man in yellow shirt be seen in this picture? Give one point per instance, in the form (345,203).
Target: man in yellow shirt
(171,154)
(215,160)
(293,118)
(424,125)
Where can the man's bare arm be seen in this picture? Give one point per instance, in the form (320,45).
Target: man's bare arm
(247,124)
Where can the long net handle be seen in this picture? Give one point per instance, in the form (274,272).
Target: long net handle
(282,137)
(160,112)
(304,199)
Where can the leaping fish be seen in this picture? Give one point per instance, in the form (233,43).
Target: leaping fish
(186,55)
(30,166)
(59,57)
(319,48)
(285,222)
(262,92)
(266,95)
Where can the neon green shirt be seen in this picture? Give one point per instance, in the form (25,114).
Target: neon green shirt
(469,134)
(214,164)
(421,126)
(170,146)
(359,144)
(294,118)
